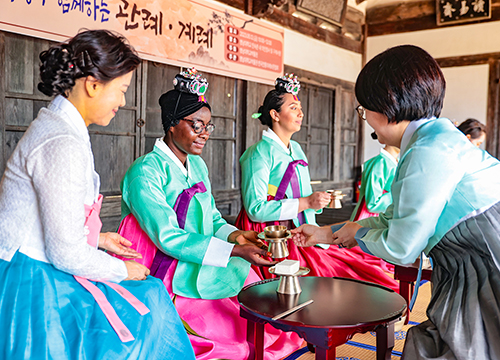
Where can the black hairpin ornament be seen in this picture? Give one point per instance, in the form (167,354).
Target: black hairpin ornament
(190,81)
(288,83)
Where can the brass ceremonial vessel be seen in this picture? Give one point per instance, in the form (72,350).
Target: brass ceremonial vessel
(336,196)
(276,236)
(289,284)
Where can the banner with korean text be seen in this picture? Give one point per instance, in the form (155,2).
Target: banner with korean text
(186,33)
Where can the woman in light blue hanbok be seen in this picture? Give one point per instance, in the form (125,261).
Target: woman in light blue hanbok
(446,203)
(61,296)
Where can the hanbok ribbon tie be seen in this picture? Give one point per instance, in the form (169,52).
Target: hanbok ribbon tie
(93,221)
(182,203)
(93,227)
(290,177)
(161,261)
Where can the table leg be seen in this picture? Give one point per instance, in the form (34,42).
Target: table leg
(251,339)
(385,341)
(259,341)
(325,354)
(404,291)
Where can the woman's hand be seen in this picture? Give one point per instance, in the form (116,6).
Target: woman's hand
(344,237)
(317,200)
(136,271)
(253,254)
(309,235)
(118,245)
(241,237)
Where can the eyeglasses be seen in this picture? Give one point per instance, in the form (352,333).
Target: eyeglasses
(199,126)
(361,112)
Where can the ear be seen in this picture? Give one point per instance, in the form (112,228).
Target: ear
(274,115)
(92,86)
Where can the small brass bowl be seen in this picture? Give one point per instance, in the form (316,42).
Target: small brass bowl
(276,232)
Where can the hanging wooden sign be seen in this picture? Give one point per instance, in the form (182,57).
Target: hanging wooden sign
(462,11)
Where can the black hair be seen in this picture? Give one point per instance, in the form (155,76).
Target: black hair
(98,53)
(273,101)
(472,127)
(403,83)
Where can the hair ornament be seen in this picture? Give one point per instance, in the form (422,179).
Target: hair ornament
(256,115)
(288,83)
(190,81)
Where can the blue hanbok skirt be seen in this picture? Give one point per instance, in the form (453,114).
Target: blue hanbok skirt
(46,314)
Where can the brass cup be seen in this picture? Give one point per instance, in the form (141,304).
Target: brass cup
(276,237)
(275,232)
(278,248)
(289,284)
(336,196)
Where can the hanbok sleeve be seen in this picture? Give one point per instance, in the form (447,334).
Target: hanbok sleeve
(375,180)
(255,173)
(58,168)
(423,185)
(145,197)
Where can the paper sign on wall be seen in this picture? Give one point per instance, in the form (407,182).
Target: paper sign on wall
(178,32)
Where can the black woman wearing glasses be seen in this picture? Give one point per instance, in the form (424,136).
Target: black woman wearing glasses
(169,215)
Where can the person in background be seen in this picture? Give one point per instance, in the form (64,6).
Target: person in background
(375,194)
(170,216)
(276,189)
(474,130)
(60,297)
(446,203)
(376,180)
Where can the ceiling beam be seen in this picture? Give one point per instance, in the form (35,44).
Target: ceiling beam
(412,16)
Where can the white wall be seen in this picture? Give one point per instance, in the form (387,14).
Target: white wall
(466,93)
(306,53)
(467,86)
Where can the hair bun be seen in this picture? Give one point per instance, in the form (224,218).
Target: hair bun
(57,70)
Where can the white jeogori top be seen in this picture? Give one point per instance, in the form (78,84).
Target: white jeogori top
(47,181)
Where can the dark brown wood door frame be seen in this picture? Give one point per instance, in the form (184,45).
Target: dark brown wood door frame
(493,111)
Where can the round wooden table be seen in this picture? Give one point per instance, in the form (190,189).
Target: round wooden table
(341,308)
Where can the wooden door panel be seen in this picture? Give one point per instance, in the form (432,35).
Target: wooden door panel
(124,122)
(158,80)
(19,75)
(320,110)
(254,99)
(221,95)
(219,157)
(18,112)
(11,140)
(224,128)
(318,162)
(112,155)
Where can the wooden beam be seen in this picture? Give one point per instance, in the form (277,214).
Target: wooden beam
(306,28)
(318,79)
(286,19)
(400,11)
(468,60)
(413,16)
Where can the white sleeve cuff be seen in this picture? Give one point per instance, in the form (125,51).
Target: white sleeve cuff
(218,252)
(289,209)
(118,268)
(224,231)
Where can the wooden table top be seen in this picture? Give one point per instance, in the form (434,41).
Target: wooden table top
(338,302)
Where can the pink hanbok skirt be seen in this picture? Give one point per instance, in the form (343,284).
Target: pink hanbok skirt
(214,327)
